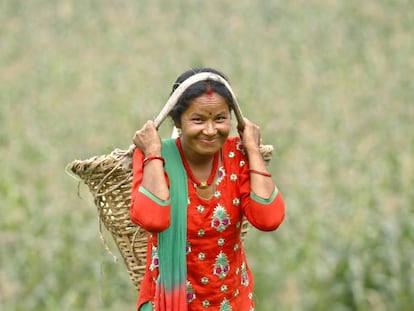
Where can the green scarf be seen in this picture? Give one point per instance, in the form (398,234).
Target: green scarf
(171,287)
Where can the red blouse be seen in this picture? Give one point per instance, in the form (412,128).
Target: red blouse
(218,276)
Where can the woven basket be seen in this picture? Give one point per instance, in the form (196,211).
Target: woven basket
(109,178)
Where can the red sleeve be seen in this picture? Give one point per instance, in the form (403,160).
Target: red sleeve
(264,214)
(266,217)
(145,210)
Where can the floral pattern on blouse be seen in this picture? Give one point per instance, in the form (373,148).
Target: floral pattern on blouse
(221,219)
(221,267)
(154,258)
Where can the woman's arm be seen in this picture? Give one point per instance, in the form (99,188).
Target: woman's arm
(261,183)
(150,204)
(148,141)
(263,204)
(265,214)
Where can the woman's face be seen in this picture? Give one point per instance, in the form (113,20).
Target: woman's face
(205,125)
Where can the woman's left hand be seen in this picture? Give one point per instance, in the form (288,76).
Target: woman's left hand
(251,136)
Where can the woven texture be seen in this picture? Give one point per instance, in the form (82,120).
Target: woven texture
(109,179)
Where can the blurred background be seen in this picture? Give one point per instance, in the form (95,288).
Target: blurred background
(330,82)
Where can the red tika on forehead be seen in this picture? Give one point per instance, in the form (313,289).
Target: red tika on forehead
(209,91)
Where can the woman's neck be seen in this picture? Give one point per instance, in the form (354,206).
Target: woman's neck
(202,169)
(196,160)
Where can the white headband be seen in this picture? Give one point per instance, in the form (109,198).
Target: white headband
(202,76)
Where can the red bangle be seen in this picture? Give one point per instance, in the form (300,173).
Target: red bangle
(260,173)
(154,157)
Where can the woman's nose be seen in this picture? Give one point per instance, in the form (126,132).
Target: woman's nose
(210,128)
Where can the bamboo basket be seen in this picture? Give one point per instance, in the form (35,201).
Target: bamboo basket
(109,179)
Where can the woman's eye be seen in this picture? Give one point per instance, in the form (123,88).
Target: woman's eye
(196,120)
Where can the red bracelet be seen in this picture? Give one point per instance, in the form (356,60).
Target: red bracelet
(153,157)
(260,173)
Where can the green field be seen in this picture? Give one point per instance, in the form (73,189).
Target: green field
(331,84)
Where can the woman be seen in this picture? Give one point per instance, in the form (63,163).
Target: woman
(191,194)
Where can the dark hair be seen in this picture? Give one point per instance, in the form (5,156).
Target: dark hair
(198,89)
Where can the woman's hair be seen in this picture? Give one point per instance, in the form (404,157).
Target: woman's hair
(198,89)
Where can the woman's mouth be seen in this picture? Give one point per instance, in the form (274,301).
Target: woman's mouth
(208,141)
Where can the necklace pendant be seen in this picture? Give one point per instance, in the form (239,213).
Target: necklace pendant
(203,185)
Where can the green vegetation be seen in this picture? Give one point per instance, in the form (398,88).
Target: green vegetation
(330,83)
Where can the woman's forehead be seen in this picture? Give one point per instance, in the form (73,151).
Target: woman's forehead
(209,99)
(208,105)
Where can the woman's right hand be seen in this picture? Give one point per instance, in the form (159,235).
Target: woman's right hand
(148,140)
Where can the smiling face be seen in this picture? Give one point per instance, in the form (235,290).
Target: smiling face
(205,126)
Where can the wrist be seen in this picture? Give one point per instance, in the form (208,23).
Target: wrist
(149,158)
(264,173)
(150,153)
(253,153)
